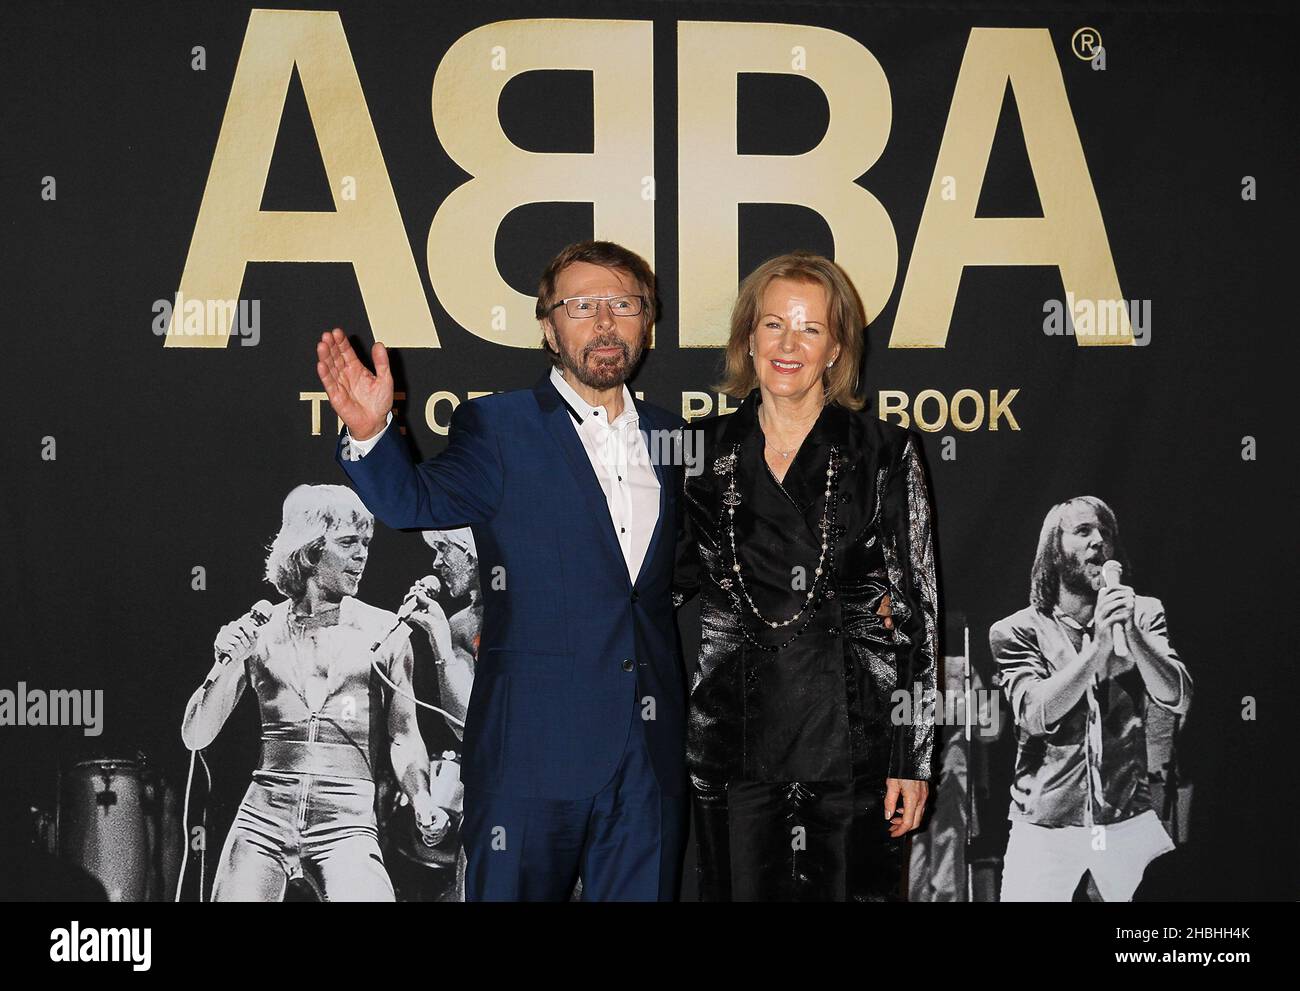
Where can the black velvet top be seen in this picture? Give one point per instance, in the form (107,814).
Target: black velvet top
(818,706)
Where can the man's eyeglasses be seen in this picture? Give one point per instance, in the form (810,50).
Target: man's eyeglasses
(581,307)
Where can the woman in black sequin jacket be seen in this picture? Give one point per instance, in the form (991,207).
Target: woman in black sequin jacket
(808,536)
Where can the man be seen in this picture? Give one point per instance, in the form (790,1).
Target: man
(1080,799)
(310,807)
(573,741)
(444,667)
(454,638)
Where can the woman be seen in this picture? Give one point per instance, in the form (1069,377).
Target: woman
(809,525)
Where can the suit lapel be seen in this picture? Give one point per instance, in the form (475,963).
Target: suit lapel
(560,426)
(804,483)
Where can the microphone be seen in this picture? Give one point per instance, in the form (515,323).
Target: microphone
(410,605)
(431,587)
(1110,575)
(259,614)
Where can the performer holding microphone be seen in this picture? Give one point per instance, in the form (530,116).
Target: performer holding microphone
(310,806)
(1080,666)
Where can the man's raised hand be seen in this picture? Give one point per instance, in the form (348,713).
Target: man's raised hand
(361,398)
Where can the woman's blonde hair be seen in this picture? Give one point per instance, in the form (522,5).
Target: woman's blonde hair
(845,312)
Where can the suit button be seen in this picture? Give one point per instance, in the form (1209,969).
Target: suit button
(635,595)
(628,665)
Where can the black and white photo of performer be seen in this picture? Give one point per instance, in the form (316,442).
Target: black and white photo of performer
(455,571)
(446,607)
(1081,666)
(310,809)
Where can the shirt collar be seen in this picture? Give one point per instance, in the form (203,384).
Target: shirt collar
(588,412)
(1070,620)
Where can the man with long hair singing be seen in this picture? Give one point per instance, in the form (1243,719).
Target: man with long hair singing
(1080,666)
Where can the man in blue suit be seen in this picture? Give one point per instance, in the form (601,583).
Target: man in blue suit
(574,738)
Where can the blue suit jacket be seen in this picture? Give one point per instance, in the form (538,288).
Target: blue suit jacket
(571,649)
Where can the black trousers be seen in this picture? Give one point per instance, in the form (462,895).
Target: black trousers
(797,841)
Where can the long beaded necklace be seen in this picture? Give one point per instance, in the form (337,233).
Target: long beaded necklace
(725,466)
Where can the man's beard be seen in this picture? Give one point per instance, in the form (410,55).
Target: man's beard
(602,373)
(1076,579)
(459,581)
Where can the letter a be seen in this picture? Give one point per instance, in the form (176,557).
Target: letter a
(1070,233)
(232,229)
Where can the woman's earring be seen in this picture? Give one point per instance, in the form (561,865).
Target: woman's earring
(831,363)
(751,352)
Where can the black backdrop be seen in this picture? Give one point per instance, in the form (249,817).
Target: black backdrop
(171,458)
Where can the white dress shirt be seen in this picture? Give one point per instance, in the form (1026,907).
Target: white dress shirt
(619,457)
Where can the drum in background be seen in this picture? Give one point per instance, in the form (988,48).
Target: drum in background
(102,827)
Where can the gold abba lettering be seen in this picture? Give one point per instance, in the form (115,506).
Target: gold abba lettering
(1070,233)
(714,179)
(466,89)
(365,227)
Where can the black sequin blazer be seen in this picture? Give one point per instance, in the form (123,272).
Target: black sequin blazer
(767,704)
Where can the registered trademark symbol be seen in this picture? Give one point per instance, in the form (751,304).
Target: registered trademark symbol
(1085,43)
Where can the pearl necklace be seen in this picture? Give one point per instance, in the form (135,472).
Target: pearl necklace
(726,466)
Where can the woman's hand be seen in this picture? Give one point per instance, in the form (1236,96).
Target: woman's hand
(914,795)
(886,611)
